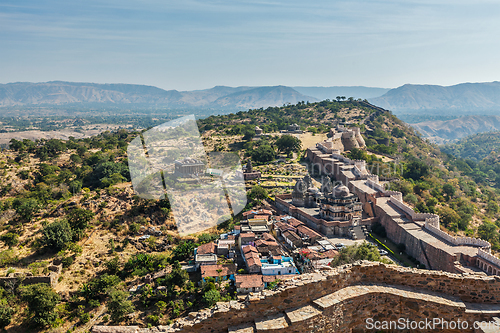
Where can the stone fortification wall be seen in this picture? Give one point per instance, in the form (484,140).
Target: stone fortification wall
(462,240)
(341,299)
(487,256)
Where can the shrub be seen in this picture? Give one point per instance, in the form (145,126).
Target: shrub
(211,297)
(10,239)
(41,300)
(118,305)
(57,234)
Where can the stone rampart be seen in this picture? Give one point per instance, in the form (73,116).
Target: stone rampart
(342,299)
(462,240)
(488,257)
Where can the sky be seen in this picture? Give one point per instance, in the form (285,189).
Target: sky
(189,44)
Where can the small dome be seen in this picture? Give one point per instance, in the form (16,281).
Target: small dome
(341,191)
(313,190)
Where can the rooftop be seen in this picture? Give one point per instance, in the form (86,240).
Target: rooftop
(249,281)
(212,270)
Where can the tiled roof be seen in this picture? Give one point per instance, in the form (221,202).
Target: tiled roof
(249,281)
(249,248)
(292,236)
(283,226)
(211,270)
(267,236)
(302,229)
(207,248)
(247,235)
(294,222)
(330,254)
(254,261)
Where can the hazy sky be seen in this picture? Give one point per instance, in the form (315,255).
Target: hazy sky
(188,44)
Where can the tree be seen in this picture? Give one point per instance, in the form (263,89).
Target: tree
(178,276)
(211,297)
(27,208)
(488,232)
(448,216)
(183,250)
(75,186)
(416,170)
(449,190)
(57,234)
(42,300)
(263,154)
(79,219)
(257,193)
(6,313)
(118,305)
(492,207)
(288,144)
(350,254)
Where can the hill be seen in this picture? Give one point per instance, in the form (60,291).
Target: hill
(464,98)
(443,131)
(262,96)
(475,147)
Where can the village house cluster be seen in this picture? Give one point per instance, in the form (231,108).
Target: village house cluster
(263,248)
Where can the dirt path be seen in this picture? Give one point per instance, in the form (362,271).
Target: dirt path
(88,326)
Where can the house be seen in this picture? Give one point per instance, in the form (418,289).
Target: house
(246,283)
(247,238)
(237,229)
(317,259)
(308,233)
(294,222)
(223,272)
(205,259)
(266,243)
(252,259)
(225,247)
(292,239)
(251,213)
(279,266)
(279,227)
(208,248)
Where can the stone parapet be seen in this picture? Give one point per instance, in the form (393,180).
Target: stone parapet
(348,295)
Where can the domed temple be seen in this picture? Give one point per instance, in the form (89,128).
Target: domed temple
(339,204)
(305,194)
(333,203)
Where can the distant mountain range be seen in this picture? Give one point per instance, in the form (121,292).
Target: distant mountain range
(452,130)
(71,93)
(59,93)
(465,98)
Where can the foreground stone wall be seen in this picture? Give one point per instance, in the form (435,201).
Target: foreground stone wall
(341,299)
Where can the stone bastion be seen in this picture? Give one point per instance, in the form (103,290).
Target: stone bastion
(344,298)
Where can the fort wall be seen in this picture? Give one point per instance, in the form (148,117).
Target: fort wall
(341,299)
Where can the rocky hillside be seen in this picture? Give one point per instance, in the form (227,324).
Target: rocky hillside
(443,131)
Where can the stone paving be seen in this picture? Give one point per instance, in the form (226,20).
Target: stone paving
(302,313)
(409,293)
(272,323)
